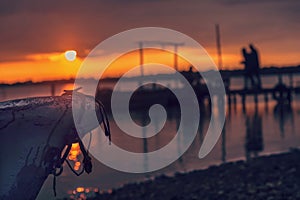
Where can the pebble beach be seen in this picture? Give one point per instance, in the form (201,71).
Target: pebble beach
(266,178)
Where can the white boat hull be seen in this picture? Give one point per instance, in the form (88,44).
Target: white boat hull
(33,132)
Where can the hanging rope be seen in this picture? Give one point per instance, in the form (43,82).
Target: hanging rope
(87,164)
(104,120)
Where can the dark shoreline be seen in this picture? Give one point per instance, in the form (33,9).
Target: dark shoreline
(267,177)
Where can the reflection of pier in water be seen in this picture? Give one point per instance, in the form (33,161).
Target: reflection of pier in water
(281,92)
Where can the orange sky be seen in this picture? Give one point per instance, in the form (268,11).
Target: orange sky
(54,66)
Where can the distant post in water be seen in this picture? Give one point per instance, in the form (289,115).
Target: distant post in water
(218,39)
(141,62)
(52,89)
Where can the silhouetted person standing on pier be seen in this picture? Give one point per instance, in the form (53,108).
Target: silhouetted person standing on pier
(247,68)
(255,65)
(251,62)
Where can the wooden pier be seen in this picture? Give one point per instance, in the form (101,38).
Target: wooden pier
(280,92)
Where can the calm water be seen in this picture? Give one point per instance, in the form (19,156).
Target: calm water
(278,130)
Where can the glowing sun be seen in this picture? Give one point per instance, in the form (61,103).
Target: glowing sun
(70,55)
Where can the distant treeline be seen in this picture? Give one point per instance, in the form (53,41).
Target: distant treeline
(39,83)
(265,71)
(238,72)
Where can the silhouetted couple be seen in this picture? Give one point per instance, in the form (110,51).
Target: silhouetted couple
(251,62)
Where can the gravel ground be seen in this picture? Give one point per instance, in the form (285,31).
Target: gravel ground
(266,178)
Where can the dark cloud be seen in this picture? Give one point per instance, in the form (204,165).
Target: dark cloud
(34,26)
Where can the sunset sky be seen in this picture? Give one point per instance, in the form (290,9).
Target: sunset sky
(35,34)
